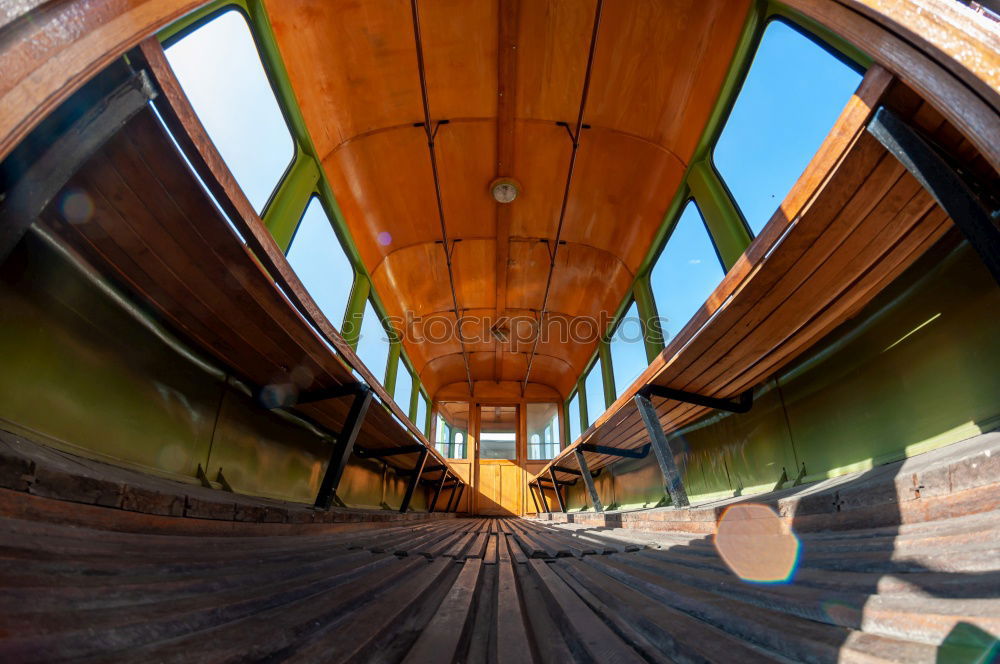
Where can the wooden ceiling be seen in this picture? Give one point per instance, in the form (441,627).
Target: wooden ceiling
(504,73)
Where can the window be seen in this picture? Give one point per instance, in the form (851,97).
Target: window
(421,421)
(574,417)
(452,429)
(498,432)
(442,436)
(628,350)
(373,344)
(791,97)
(458,445)
(685,274)
(319,260)
(219,68)
(594,384)
(404,387)
(543,428)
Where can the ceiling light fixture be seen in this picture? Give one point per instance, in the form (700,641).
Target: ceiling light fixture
(505,190)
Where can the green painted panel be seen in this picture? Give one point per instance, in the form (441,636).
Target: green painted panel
(361,484)
(923,371)
(728,451)
(79,373)
(918,369)
(84,374)
(266,456)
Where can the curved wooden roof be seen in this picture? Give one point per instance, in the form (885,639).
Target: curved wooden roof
(503,73)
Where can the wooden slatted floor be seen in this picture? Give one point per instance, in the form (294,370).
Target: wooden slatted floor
(488,590)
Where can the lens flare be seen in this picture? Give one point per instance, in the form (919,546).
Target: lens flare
(384,239)
(76,206)
(756,544)
(276,395)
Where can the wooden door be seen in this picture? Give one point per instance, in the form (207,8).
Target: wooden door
(499,452)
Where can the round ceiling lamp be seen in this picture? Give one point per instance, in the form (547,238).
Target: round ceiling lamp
(505,190)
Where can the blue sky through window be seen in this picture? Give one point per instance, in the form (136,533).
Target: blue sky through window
(319,260)
(219,68)
(574,418)
(686,272)
(404,387)
(373,344)
(628,350)
(421,412)
(594,384)
(793,94)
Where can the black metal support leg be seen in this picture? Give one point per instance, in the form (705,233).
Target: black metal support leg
(541,493)
(458,501)
(944,184)
(437,491)
(451,497)
(664,455)
(534,499)
(588,481)
(342,449)
(555,488)
(414,481)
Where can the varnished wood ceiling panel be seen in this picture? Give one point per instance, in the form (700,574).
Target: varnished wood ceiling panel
(656,73)
(587,280)
(465,177)
(541,158)
(460,56)
(416,271)
(529,258)
(658,64)
(352,65)
(552,41)
(401,210)
(620,209)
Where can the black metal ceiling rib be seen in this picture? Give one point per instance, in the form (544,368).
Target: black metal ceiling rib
(575,137)
(431,135)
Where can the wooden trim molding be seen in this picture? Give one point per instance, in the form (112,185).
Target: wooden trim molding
(49,48)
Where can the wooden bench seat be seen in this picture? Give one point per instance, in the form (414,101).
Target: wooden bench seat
(851,224)
(207,265)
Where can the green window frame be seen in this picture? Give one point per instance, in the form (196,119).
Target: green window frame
(249,164)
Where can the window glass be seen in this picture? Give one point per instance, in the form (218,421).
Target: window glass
(498,432)
(404,388)
(793,94)
(574,418)
(594,384)
(319,260)
(542,418)
(441,436)
(452,425)
(219,68)
(421,421)
(685,274)
(628,350)
(373,343)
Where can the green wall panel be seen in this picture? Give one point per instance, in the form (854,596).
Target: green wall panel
(923,371)
(82,373)
(918,369)
(263,455)
(71,376)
